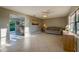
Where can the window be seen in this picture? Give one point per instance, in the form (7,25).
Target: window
(77,22)
(72,23)
(78,28)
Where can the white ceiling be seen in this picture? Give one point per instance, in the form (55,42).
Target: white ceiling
(54,11)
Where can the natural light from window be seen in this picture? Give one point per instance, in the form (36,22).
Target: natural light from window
(3,36)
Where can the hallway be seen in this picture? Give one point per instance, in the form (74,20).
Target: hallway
(37,42)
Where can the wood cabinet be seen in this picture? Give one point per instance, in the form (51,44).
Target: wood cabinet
(69,43)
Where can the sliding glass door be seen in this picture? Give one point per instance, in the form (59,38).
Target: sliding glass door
(72,23)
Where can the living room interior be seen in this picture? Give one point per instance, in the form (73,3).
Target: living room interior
(39,28)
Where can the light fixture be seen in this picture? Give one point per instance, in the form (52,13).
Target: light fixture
(45,13)
(45,16)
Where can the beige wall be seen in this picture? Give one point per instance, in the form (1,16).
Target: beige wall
(35,28)
(35,19)
(58,22)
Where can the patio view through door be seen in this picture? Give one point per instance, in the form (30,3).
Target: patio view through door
(16,27)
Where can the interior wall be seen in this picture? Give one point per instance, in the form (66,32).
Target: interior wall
(4,19)
(35,28)
(56,22)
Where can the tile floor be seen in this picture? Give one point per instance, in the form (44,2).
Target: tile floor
(37,42)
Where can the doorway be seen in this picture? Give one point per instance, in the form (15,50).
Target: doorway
(16,27)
